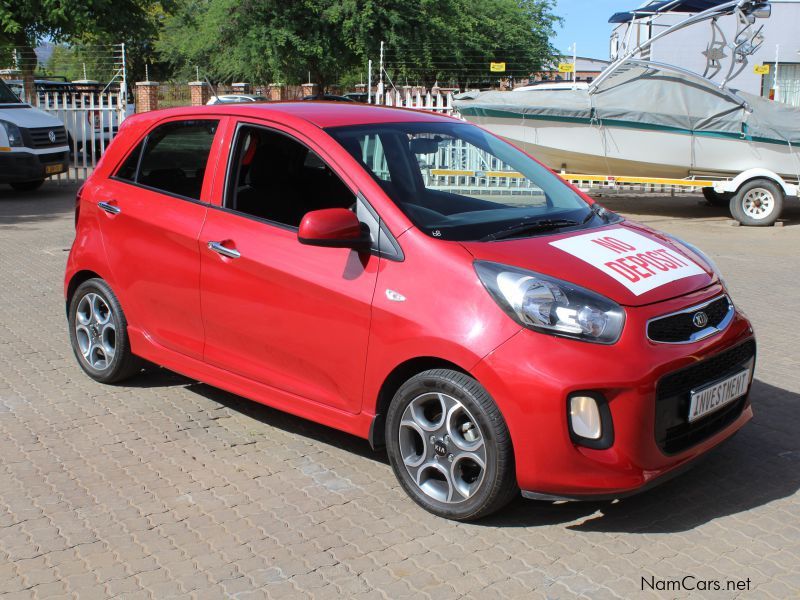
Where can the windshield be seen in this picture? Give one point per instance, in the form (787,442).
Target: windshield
(457,182)
(6,95)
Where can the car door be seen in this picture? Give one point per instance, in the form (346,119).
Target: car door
(291,316)
(153,208)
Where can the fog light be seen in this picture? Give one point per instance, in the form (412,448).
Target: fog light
(584,417)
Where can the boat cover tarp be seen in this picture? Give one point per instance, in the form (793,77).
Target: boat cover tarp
(683,6)
(646,96)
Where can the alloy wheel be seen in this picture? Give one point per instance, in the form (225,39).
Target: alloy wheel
(95,331)
(442,447)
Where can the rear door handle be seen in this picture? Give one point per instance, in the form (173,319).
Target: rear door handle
(220,249)
(110,208)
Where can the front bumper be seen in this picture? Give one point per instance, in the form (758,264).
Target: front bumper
(531,375)
(26,166)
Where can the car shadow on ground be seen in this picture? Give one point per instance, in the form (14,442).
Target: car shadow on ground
(50,202)
(682,207)
(159,377)
(759,465)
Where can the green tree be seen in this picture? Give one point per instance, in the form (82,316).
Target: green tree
(331,40)
(26,23)
(455,40)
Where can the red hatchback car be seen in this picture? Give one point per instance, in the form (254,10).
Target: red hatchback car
(411,279)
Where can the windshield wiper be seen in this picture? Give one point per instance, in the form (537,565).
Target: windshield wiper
(529,227)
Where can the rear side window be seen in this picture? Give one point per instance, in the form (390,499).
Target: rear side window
(129,168)
(172,158)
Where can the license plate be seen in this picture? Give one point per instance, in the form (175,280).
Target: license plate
(713,397)
(51,169)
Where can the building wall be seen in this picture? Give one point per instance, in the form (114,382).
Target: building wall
(684,48)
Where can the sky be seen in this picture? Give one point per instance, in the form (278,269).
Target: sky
(586,24)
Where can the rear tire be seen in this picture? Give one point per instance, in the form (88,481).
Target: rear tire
(449,446)
(27,186)
(98,332)
(716,199)
(758,203)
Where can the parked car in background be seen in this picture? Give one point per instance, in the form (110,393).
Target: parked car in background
(492,338)
(33,144)
(329,98)
(357,96)
(236,98)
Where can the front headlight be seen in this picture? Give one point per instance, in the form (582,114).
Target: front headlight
(550,305)
(13,133)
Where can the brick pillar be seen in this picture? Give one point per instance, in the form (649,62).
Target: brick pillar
(277,92)
(200,93)
(310,89)
(146,96)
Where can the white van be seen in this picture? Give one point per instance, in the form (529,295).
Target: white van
(33,144)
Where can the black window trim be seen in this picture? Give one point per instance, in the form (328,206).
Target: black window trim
(397,255)
(143,142)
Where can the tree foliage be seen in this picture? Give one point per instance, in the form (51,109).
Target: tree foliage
(328,40)
(25,23)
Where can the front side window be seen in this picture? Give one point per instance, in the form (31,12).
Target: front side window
(274,177)
(455,181)
(172,158)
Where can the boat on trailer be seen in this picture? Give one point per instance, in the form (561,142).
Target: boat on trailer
(651,119)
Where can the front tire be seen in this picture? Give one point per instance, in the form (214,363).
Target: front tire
(27,186)
(758,203)
(449,446)
(98,332)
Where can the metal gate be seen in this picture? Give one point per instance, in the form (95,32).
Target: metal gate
(91,117)
(92,112)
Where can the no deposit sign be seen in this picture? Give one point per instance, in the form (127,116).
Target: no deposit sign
(637,262)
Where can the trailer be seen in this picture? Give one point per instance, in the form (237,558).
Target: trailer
(755,197)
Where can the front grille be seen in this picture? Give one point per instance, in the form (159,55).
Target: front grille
(39,137)
(680,327)
(672,430)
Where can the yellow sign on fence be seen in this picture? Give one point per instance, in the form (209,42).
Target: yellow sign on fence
(566,68)
(761,69)
(497,67)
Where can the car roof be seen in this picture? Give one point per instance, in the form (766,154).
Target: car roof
(322,114)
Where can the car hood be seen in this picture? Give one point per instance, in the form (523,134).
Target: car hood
(28,117)
(626,262)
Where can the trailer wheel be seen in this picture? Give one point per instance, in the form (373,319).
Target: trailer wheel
(716,199)
(758,203)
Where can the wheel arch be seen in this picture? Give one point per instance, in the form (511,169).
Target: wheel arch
(399,375)
(733,185)
(75,281)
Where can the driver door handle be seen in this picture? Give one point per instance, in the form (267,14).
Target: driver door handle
(111,209)
(220,249)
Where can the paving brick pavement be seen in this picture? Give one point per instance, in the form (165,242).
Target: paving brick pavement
(168,488)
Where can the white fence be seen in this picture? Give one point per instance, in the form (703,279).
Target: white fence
(438,102)
(91,118)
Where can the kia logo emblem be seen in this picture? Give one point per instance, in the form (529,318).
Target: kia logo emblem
(51,136)
(440,447)
(700,319)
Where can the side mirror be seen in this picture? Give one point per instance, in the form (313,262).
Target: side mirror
(334,228)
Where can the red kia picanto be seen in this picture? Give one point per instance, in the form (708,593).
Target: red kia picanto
(411,279)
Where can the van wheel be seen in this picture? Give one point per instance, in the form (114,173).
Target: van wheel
(98,332)
(27,186)
(716,199)
(758,203)
(449,446)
